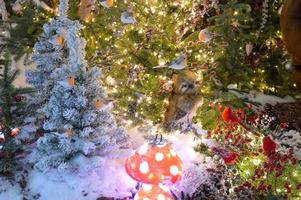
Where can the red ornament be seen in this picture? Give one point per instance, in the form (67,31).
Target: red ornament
(269,146)
(19,98)
(228,116)
(152,192)
(228,156)
(154,164)
(14,132)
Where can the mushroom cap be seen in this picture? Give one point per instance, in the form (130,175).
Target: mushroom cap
(151,192)
(154,164)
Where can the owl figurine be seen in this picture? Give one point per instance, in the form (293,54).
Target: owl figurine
(184,100)
(290,21)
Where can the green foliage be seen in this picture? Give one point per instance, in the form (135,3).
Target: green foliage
(164,30)
(11,111)
(23,29)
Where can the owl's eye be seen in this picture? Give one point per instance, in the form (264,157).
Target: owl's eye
(184,85)
(190,86)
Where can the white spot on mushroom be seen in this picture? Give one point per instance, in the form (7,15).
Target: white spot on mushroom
(161,197)
(144,168)
(174,170)
(159,157)
(147,188)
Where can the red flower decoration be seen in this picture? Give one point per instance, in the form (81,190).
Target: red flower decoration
(228,156)
(283,125)
(228,116)
(269,146)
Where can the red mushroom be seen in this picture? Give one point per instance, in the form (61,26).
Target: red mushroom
(154,164)
(150,192)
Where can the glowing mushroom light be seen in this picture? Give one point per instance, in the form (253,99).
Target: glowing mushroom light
(152,192)
(154,163)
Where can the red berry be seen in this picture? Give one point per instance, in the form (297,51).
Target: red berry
(269,146)
(294,161)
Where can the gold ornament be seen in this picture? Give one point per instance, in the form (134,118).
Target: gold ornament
(98,104)
(71,81)
(60,40)
(69,132)
(107,3)
(110,3)
(205,36)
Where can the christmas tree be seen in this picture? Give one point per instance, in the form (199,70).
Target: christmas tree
(225,43)
(76,114)
(11,116)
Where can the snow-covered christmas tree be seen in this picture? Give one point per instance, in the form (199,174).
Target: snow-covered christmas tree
(77,120)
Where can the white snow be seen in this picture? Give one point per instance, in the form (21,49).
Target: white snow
(100,176)
(9,191)
(261,98)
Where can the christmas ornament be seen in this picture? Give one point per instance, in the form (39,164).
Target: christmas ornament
(268,145)
(178,64)
(127,18)
(17,8)
(154,164)
(106,3)
(152,192)
(3,11)
(249,49)
(205,36)
(59,40)
(19,98)
(98,104)
(85,10)
(68,83)
(2,140)
(228,156)
(228,116)
(235,23)
(71,81)
(14,132)
(69,132)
